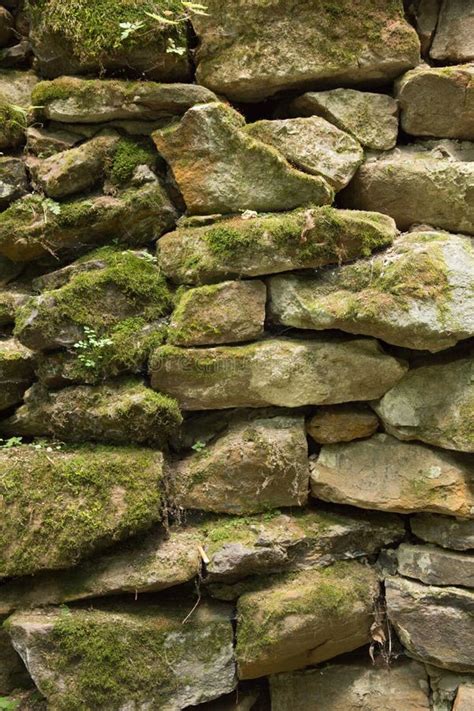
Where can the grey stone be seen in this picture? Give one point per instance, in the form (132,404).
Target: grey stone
(454,38)
(435,566)
(16,372)
(444,531)
(13,180)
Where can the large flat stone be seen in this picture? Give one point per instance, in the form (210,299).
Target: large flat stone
(433,403)
(268,244)
(417,184)
(454,38)
(281,371)
(444,531)
(435,566)
(417,294)
(304,618)
(219,168)
(131,656)
(385,474)
(59,506)
(248,52)
(438,101)
(434,624)
(16,372)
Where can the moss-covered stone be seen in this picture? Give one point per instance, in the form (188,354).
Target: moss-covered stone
(15,101)
(60,505)
(11,300)
(268,244)
(16,372)
(123,410)
(136,656)
(304,618)
(13,180)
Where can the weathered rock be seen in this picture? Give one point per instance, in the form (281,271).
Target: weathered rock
(13,674)
(108,293)
(454,38)
(416,184)
(34,227)
(435,566)
(314,146)
(259,545)
(11,300)
(6,26)
(281,371)
(444,686)
(75,100)
(123,410)
(426,14)
(419,294)
(351,687)
(128,656)
(13,180)
(433,403)
(228,312)
(16,372)
(219,168)
(86,39)
(75,170)
(144,565)
(371,118)
(44,142)
(446,532)
(434,624)
(342,423)
(464,698)
(269,244)
(385,474)
(438,101)
(74,502)
(15,100)
(290,50)
(16,56)
(254,466)
(304,618)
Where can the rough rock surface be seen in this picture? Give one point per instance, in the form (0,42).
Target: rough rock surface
(128,656)
(16,372)
(444,531)
(15,100)
(290,50)
(433,623)
(433,403)
(314,146)
(281,371)
(219,168)
(371,118)
(254,466)
(268,244)
(435,566)
(13,180)
(438,101)
(342,423)
(45,142)
(444,686)
(417,184)
(11,300)
(123,410)
(80,500)
(352,687)
(228,312)
(419,294)
(386,474)
(454,38)
(304,618)
(464,698)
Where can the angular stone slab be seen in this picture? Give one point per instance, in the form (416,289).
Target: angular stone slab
(229,312)
(122,410)
(433,403)
(416,184)
(342,423)
(281,371)
(141,565)
(268,244)
(304,618)
(438,101)
(314,146)
(78,500)
(353,687)
(444,531)
(454,38)
(435,566)
(219,168)
(289,50)
(418,294)
(254,466)
(75,100)
(385,474)
(133,217)
(433,623)
(16,372)
(136,655)
(371,118)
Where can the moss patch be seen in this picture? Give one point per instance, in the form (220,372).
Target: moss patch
(128,155)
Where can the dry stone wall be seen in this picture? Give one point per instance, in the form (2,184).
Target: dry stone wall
(236,355)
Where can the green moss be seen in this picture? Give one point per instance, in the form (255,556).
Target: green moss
(128,155)
(13,122)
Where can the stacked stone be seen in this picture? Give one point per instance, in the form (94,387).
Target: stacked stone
(237,384)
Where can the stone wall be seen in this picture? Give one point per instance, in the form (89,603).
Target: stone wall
(236,373)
